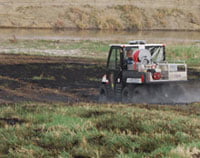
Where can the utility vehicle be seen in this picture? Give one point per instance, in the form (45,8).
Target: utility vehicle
(138,69)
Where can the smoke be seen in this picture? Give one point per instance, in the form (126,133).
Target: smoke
(167,93)
(190,92)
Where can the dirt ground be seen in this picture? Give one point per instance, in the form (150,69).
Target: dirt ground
(48,79)
(56,79)
(96,14)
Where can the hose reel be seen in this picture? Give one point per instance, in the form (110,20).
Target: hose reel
(143,56)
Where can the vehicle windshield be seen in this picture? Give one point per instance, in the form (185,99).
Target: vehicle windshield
(157,52)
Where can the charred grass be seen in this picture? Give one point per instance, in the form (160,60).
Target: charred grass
(36,78)
(94,130)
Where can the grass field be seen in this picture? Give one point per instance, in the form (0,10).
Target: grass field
(83,49)
(97,130)
(189,52)
(85,129)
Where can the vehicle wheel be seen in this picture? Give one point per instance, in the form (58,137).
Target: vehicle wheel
(126,95)
(103,95)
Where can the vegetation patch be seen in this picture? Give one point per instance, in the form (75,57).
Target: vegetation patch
(93,49)
(10,121)
(132,16)
(88,17)
(93,130)
(82,49)
(188,53)
(95,113)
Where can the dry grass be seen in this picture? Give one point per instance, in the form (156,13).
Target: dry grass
(112,15)
(133,16)
(185,152)
(88,17)
(130,17)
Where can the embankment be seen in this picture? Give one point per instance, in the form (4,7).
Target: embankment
(96,14)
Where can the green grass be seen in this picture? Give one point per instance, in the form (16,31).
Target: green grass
(188,53)
(93,130)
(42,77)
(84,49)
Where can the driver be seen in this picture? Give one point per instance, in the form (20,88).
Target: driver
(129,56)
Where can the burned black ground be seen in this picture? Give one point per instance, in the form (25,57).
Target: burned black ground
(51,79)
(65,79)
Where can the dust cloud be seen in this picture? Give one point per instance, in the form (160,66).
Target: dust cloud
(168,93)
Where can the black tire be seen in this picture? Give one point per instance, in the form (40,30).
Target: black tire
(103,94)
(127,95)
(142,94)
